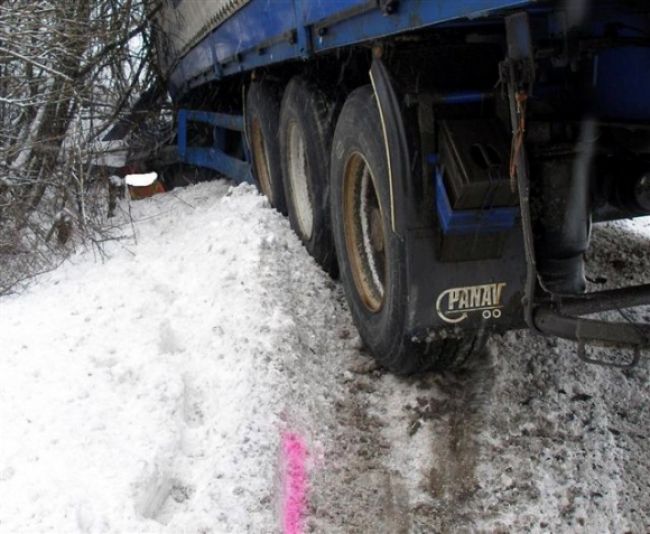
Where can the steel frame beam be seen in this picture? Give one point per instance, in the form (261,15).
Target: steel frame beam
(213,157)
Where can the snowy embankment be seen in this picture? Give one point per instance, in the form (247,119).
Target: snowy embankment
(150,392)
(157,391)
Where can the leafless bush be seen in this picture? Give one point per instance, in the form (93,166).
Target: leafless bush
(68,69)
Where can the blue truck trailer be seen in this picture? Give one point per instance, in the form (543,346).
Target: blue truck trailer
(445,158)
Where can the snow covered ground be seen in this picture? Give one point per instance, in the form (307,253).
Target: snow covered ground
(155,392)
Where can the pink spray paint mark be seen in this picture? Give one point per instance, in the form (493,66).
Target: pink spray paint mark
(294,498)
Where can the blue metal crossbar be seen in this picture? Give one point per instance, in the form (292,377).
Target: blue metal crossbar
(213,157)
(462,97)
(222,120)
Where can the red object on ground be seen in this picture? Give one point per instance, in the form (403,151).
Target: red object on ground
(140,192)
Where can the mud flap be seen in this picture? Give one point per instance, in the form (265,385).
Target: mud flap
(446,298)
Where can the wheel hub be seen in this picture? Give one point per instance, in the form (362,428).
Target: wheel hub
(364,232)
(260,159)
(376,231)
(298,179)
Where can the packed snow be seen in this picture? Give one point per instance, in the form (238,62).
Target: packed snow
(174,382)
(141,180)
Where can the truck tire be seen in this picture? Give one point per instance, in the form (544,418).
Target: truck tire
(262,117)
(306,128)
(372,258)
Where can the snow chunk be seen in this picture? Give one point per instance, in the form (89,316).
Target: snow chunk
(141,180)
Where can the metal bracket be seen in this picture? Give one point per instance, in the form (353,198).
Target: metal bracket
(303,33)
(636,356)
(555,319)
(388,7)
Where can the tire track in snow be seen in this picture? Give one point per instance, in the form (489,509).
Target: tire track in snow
(350,488)
(508,443)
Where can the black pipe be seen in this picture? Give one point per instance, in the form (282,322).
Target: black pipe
(593,331)
(600,301)
(564,222)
